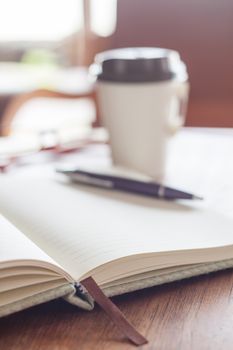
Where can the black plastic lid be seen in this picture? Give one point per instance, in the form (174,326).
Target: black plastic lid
(139,64)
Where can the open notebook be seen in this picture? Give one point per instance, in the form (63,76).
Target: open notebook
(53,234)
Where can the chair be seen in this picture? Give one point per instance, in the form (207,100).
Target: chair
(19,101)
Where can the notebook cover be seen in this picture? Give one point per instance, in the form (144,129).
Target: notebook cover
(67,291)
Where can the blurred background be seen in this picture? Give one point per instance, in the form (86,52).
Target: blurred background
(46,47)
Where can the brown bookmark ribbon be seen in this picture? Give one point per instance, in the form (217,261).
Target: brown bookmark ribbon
(113,312)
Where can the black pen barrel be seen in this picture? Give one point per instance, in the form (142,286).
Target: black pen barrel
(149,189)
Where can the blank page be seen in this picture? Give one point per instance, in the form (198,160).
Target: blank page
(14,246)
(83,228)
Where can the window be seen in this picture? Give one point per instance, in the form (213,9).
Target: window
(39,20)
(52,20)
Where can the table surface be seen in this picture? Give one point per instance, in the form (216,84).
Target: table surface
(191,314)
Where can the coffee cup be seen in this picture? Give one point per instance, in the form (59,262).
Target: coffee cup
(142,95)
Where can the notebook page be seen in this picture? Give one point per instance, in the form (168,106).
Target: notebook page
(202,159)
(28,291)
(82,228)
(14,245)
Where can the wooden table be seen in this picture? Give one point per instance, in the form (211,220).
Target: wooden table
(192,314)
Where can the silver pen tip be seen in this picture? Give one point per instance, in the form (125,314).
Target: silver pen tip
(198,197)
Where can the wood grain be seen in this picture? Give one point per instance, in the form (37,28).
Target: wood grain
(191,314)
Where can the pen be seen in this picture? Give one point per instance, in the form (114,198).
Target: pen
(150,189)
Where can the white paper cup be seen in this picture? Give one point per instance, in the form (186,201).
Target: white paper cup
(141,115)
